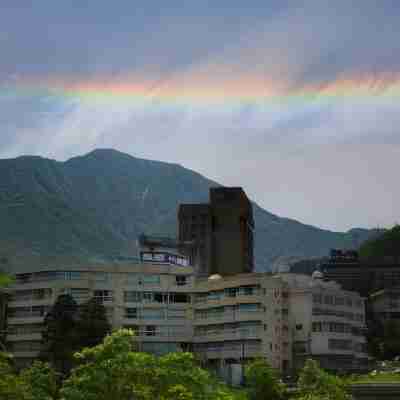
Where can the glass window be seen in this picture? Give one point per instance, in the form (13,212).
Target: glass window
(249,307)
(132,297)
(150,330)
(180,280)
(151,279)
(101,276)
(131,313)
(153,313)
(148,297)
(179,298)
(103,295)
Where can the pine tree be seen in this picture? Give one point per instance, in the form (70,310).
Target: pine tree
(60,339)
(92,324)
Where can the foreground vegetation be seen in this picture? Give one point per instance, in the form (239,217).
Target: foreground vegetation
(114,369)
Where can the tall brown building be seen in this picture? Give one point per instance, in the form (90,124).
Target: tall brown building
(222,230)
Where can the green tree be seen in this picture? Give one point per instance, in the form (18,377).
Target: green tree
(40,381)
(60,335)
(92,324)
(316,384)
(391,341)
(35,383)
(114,369)
(263,382)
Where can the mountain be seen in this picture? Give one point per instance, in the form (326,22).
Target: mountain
(92,208)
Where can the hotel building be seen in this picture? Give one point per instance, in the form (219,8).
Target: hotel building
(226,321)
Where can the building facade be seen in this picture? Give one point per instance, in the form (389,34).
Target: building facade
(285,318)
(363,276)
(226,321)
(385,304)
(153,300)
(223,232)
(327,323)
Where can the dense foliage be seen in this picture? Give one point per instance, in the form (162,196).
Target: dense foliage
(69,328)
(316,384)
(387,244)
(263,382)
(114,369)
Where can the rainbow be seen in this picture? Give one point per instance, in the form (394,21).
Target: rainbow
(205,92)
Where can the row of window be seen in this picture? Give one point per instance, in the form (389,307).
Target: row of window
(155,330)
(227,311)
(318,298)
(228,292)
(24,329)
(28,312)
(241,329)
(24,346)
(348,315)
(131,278)
(343,344)
(154,313)
(242,348)
(337,327)
(29,295)
(156,297)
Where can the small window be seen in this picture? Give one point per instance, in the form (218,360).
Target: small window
(131,313)
(180,280)
(150,330)
(299,327)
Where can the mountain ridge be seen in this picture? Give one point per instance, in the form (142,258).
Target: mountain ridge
(93,206)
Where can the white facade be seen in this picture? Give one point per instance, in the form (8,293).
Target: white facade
(154,300)
(226,321)
(328,323)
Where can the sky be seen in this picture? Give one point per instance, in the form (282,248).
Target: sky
(296,101)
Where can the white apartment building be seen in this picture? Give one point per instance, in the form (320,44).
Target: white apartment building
(327,323)
(152,299)
(285,318)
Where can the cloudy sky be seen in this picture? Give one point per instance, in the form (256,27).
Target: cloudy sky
(296,101)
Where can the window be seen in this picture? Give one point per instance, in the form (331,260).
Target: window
(23,278)
(349,302)
(161,298)
(77,294)
(179,298)
(317,298)
(131,313)
(299,327)
(230,292)
(317,327)
(103,295)
(340,344)
(150,330)
(147,297)
(41,294)
(180,280)
(176,313)
(153,313)
(339,301)
(101,276)
(132,297)
(249,307)
(328,299)
(215,295)
(151,280)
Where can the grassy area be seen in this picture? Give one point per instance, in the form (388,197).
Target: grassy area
(380,377)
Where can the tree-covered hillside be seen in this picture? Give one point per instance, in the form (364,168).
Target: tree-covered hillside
(385,245)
